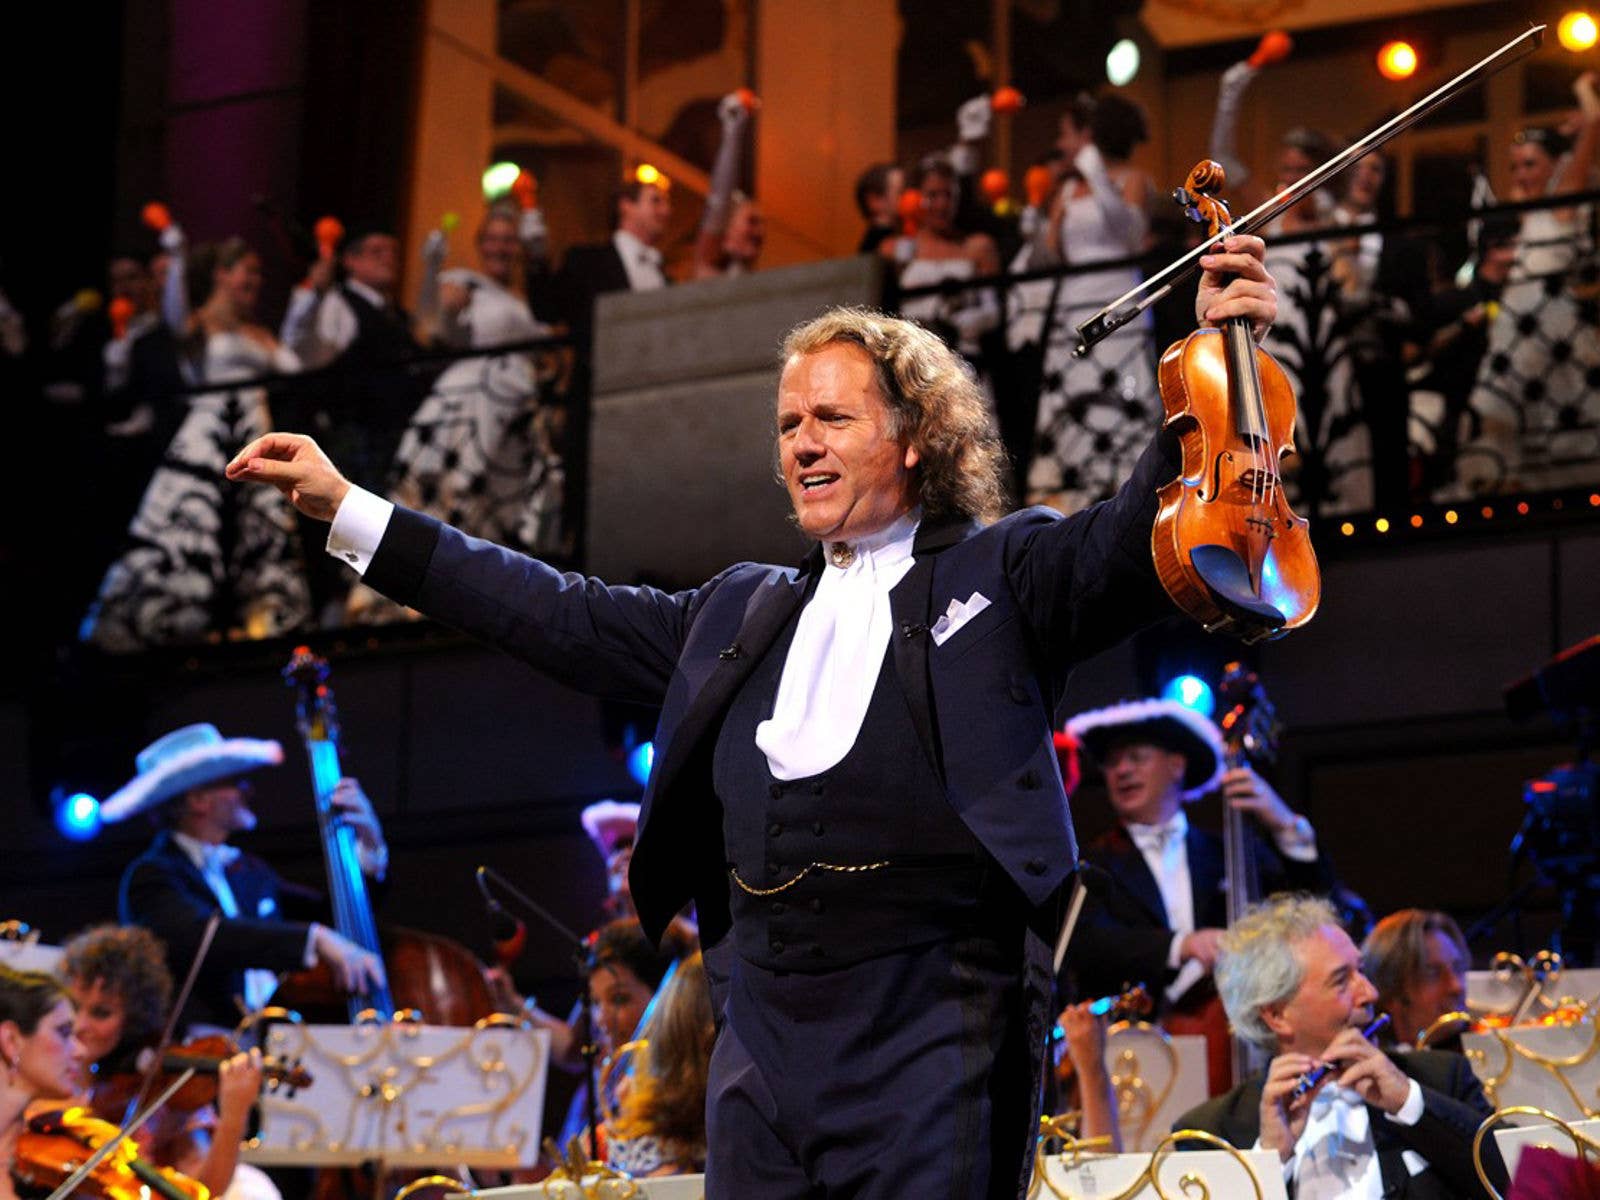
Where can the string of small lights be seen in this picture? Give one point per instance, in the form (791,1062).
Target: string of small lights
(1500,514)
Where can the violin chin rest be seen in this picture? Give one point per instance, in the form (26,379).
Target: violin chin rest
(1228,580)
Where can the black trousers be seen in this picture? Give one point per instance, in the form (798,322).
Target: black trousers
(909,1074)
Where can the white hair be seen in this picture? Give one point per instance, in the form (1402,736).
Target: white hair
(1258,965)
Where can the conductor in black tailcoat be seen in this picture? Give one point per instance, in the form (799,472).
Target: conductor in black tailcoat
(855,779)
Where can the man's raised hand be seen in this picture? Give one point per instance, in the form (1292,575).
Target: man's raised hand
(1236,283)
(297,467)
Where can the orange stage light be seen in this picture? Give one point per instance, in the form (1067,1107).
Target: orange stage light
(1577,31)
(1397,61)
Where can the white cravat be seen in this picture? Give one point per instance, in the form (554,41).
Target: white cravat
(1334,1157)
(836,655)
(212,861)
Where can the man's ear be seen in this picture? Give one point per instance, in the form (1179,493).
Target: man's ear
(1275,1019)
(912,457)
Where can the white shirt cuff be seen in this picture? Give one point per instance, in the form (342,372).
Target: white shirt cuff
(358,527)
(1299,842)
(308,956)
(1175,952)
(374,863)
(1411,1111)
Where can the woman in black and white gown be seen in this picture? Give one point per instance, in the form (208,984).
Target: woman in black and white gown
(204,560)
(478,452)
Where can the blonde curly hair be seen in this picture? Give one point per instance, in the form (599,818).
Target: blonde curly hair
(933,400)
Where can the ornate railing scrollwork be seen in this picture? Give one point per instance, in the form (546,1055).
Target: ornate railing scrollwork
(1192,1185)
(1137,1102)
(577,1176)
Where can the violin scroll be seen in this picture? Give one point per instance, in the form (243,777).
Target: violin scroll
(1199,196)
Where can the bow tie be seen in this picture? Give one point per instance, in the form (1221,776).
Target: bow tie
(1158,837)
(218,858)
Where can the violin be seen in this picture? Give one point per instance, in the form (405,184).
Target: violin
(1228,549)
(54,1144)
(1119,1006)
(111,1091)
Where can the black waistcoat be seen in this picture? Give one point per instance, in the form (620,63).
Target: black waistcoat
(882,802)
(382,335)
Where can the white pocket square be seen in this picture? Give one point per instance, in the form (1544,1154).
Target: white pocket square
(957,615)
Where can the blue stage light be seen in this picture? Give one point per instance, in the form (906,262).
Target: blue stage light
(78,817)
(640,759)
(1192,692)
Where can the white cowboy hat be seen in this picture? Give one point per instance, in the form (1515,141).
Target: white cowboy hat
(608,822)
(183,759)
(1164,723)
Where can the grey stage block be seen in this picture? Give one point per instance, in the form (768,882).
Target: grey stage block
(681,464)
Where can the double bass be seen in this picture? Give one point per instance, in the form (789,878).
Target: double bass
(430,977)
(1250,727)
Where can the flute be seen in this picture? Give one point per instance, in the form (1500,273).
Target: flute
(1317,1074)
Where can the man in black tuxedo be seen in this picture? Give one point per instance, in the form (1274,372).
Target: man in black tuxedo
(193,781)
(630,260)
(1396,1126)
(1159,921)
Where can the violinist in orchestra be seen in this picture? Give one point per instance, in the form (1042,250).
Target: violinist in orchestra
(117,975)
(1160,920)
(41,1058)
(1418,960)
(1347,1118)
(196,785)
(875,968)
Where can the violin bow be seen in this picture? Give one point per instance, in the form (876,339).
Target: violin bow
(71,1182)
(1133,302)
(153,1068)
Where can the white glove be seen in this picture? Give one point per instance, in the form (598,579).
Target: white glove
(532,231)
(1239,75)
(172,239)
(434,248)
(732,112)
(905,249)
(972,119)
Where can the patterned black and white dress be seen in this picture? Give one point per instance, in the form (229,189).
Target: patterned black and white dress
(1535,411)
(205,559)
(1095,413)
(478,452)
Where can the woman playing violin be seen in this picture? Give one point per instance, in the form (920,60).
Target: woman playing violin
(119,978)
(41,1057)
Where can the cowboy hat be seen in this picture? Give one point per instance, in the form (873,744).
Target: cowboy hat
(186,758)
(608,822)
(1164,723)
